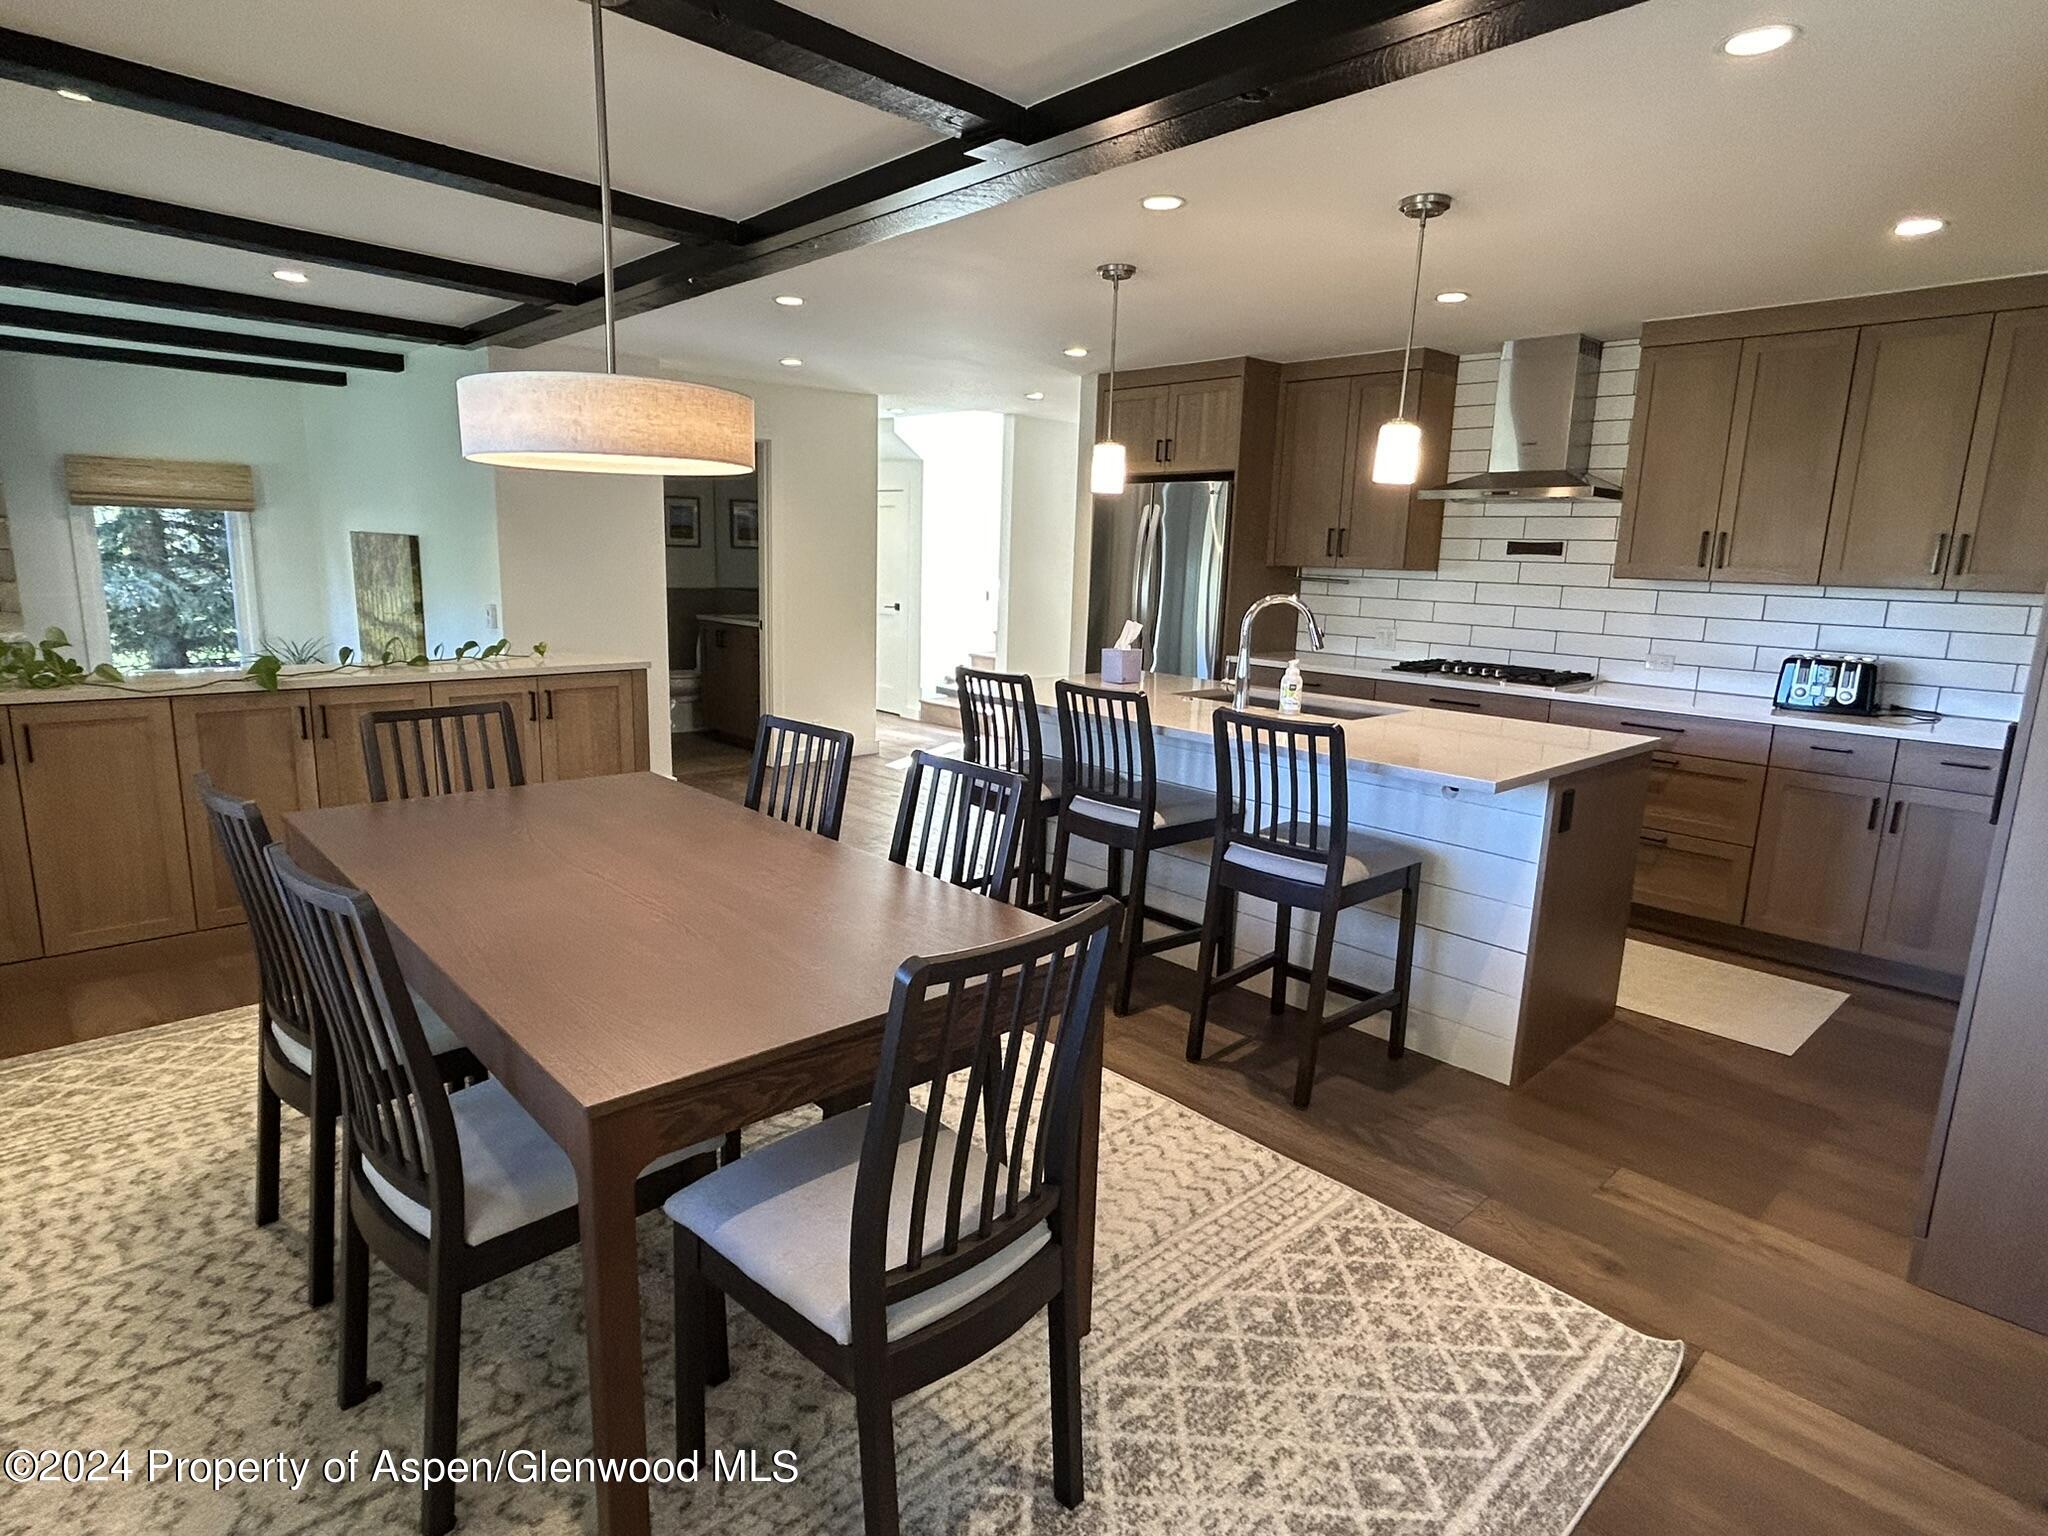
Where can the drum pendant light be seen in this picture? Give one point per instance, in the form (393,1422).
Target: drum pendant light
(1397,454)
(1106,470)
(604,423)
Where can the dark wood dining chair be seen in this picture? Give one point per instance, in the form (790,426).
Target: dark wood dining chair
(290,1064)
(450,1190)
(892,1249)
(1283,833)
(999,728)
(448,749)
(961,822)
(1110,794)
(799,773)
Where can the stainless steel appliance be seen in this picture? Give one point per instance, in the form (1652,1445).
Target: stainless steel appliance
(1542,427)
(1157,557)
(1828,685)
(1498,672)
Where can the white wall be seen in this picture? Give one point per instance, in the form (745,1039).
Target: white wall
(1037,615)
(963,453)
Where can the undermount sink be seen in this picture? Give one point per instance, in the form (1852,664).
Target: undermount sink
(1329,706)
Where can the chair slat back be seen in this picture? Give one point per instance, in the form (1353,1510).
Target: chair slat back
(240,833)
(448,749)
(1011,1025)
(1106,749)
(999,723)
(799,773)
(960,822)
(1281,787)
(392,1097)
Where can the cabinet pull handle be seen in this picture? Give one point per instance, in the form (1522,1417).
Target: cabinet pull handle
(1343,541)
(1962,553)
(1706,541)
(1940,555)
(1838,751)
(1169,450)
(28,746)
(1158,450)
(1455,703)
(532,705)
(1329,541)
(1973,767)
(323,723)
(1898,810)
(1655,730)
(305,725)
(1876,805)
(1664,760)
(551,702)
(1721,542)
(1654,839)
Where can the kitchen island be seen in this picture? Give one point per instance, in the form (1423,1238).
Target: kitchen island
(1527,833)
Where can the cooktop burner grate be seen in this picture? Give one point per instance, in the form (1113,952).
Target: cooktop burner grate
(1497,672)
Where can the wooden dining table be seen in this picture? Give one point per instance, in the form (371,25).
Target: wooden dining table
(643,965)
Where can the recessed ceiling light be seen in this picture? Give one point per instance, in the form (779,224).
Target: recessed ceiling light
(1453,296)
(1163,202)
(789,301)
(1036,394)
(290,275)
(895,410)
(1752,41)
(792,362)
(70,95)
(1077,351)
(1915,225)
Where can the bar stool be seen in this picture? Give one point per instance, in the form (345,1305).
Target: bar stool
(1283,833)
(1110,794)
(999,729)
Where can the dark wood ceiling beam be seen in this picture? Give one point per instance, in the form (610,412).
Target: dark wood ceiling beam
(36,346)
(33,317)
(796,44)
(121,82)
(147,214)
(119,288)
(1299,56)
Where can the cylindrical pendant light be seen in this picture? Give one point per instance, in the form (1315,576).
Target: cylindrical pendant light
(1397,453)
(604,423)
(1106,468)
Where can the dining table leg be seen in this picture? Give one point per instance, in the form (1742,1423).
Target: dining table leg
(611,1322)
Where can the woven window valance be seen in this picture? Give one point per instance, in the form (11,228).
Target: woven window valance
(102,482)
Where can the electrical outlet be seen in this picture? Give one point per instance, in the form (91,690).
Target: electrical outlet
(1659,661)
(490,615)
(1383,635)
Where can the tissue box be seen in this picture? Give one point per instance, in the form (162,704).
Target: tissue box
(1122,665)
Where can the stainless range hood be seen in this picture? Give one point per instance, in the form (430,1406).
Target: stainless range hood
(1542,426)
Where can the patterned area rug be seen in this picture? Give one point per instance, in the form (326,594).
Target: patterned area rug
(1274,1353)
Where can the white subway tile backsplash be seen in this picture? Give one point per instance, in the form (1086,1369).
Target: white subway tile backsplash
(1616,671)
(1983,618)
(1598,552)
(1430,590)
(1501,640)
(1706,653)
(1474,613)
(1825,610)
(1515,594)
(1612,599)
(1578,621)
(1749,684)
(1480,570)
(1973,647)
(1660,626)
(1618,647)
(1986,676)
(1565,575)
(1979,706)
(1858,640)
(1765,633)
(1711,605)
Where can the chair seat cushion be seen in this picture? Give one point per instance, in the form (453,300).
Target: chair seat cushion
(513,1173)
(1364,855)
(440,1038)
(1310,871)
(1173,807)
(783,1216)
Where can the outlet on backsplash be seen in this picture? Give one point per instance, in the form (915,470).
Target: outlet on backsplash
(1660,661)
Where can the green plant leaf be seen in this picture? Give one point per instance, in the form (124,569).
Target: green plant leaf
(462,651)
(418,661)
(53,637)
(540,647)
(263,672)
(345,655)
(495,648)
(107,672)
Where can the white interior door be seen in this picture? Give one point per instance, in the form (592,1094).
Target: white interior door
(896,600)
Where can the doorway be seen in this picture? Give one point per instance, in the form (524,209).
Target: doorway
(899,545)
(713,532)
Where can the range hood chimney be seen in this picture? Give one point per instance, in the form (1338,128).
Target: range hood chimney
(1542,426)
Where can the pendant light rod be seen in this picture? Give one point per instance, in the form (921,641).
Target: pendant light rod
(1421,207)
(604,188)
(1117,273)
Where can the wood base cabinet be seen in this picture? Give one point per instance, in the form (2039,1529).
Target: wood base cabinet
(257,745)
(1816,851)
(105,822)
(523,699)
(1930,878)
(1693,875)
(592,724)
(21,932)
(338,734)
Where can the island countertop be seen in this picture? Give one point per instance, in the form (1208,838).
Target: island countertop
(1434,746)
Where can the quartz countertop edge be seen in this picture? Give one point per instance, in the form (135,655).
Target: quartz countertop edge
(163,685)
(1429,746)
(1952,730)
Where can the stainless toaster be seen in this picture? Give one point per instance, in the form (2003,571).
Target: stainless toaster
(1830,685)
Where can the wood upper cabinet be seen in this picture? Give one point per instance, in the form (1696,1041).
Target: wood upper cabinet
(1144,419)
(105,821)
(338,736)
(1202,430)
(1784,444)
(1817,845)
(1677,452)
(257,745)
(592,723)
(1328,511)
(1904,451)
(1931,869)
(1313,469)
(2002,524)
(522,698)
(1381,529)
(21,933)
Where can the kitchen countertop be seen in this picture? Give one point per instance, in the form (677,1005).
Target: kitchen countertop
(1953,731)
(1430,746)
(149,685)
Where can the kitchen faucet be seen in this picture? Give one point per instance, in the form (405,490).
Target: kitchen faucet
(1244,640)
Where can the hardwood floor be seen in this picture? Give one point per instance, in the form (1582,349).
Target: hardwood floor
(1758,1207)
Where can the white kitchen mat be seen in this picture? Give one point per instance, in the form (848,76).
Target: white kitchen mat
(1733,1001)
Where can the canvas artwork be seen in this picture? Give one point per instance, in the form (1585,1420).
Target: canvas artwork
(391,609)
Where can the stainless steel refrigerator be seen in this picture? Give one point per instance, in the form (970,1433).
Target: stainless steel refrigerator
(1157,557)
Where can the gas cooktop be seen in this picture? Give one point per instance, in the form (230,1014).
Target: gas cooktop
(1498,672)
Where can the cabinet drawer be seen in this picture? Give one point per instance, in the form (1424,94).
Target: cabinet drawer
(1508,706)
(1836,752)
(1344,685)
(1693,875)
(1704,797)
(1929,765)
(1733,741)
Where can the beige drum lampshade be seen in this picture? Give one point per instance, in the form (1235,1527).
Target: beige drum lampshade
(604,423)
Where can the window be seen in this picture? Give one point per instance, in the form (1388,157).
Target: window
(165,587)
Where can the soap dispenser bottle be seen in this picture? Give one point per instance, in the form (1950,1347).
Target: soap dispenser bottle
(1290,688)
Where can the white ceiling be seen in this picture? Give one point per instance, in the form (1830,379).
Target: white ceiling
(1619,170)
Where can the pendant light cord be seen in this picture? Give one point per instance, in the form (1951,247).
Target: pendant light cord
(1116,294)
(604,187)
(1414,304)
